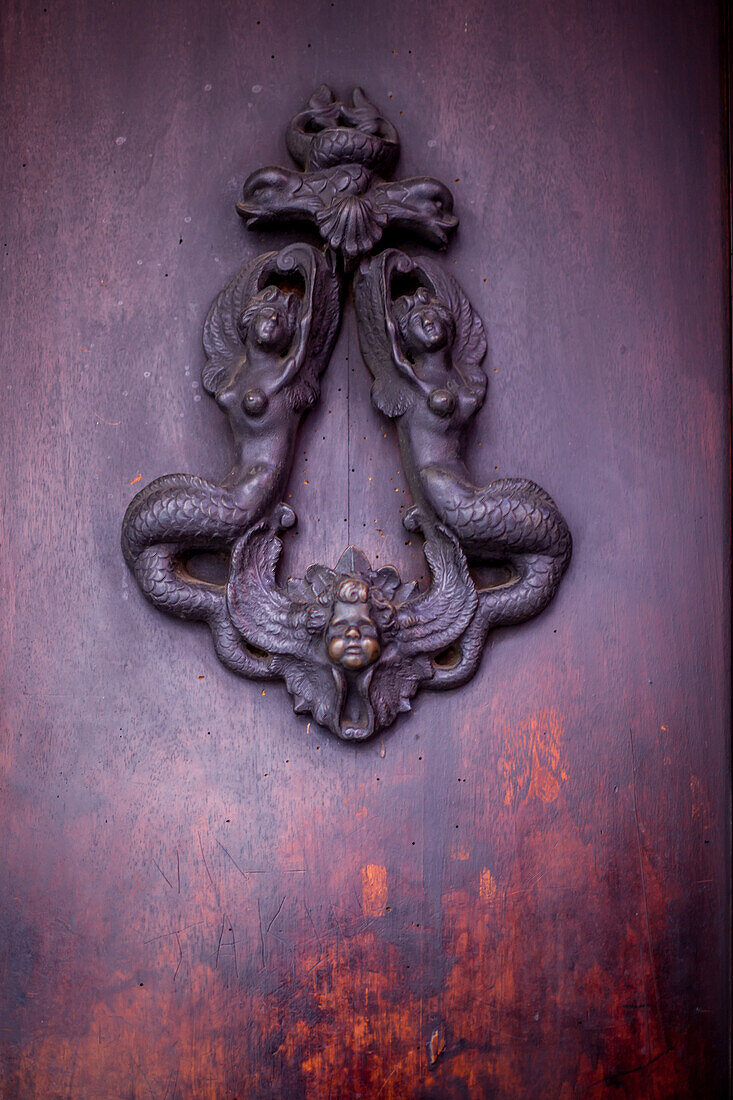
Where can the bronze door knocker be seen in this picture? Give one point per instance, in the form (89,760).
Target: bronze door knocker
(352,644)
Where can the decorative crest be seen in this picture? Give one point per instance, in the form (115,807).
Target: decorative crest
(345,153)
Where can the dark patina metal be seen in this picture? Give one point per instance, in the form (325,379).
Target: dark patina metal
(424,344)
(352,644)
(345,151)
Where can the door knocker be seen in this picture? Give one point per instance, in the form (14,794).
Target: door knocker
(352,644)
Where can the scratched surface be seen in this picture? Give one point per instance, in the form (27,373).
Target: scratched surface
(522,889)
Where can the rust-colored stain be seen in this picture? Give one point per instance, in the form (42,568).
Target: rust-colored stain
(487,890)
(436,1046)
(699,804)
(531,760)
(373,889)
(304,958)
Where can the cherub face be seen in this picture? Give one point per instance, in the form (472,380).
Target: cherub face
(351,634)
(424,323)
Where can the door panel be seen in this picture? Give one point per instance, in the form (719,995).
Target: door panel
(521,889)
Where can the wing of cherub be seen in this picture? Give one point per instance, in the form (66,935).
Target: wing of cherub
(299,269)
(268,617)
(315,686)
(432,620)
(426,623)
(265,614)
(395,681)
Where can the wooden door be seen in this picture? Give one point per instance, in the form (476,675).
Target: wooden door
(521,889)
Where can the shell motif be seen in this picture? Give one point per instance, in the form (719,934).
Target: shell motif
(352,225)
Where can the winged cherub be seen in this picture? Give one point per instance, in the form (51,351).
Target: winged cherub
(352,644)
(344,151)
(352,635)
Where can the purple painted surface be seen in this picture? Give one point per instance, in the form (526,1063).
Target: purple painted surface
(522,890)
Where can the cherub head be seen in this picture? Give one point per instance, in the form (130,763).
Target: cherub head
(424,322)
(352,635)
(353,609)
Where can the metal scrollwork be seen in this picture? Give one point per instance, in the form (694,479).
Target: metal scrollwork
(352,644)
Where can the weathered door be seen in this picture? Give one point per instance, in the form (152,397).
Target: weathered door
(520,890)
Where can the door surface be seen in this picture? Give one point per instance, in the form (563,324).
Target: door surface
(521,889)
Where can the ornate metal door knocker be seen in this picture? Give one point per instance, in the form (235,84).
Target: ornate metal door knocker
(352,644)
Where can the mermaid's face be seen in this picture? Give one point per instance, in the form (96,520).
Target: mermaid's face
(424,323)
(269,323)
(352,637)
(271,328)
